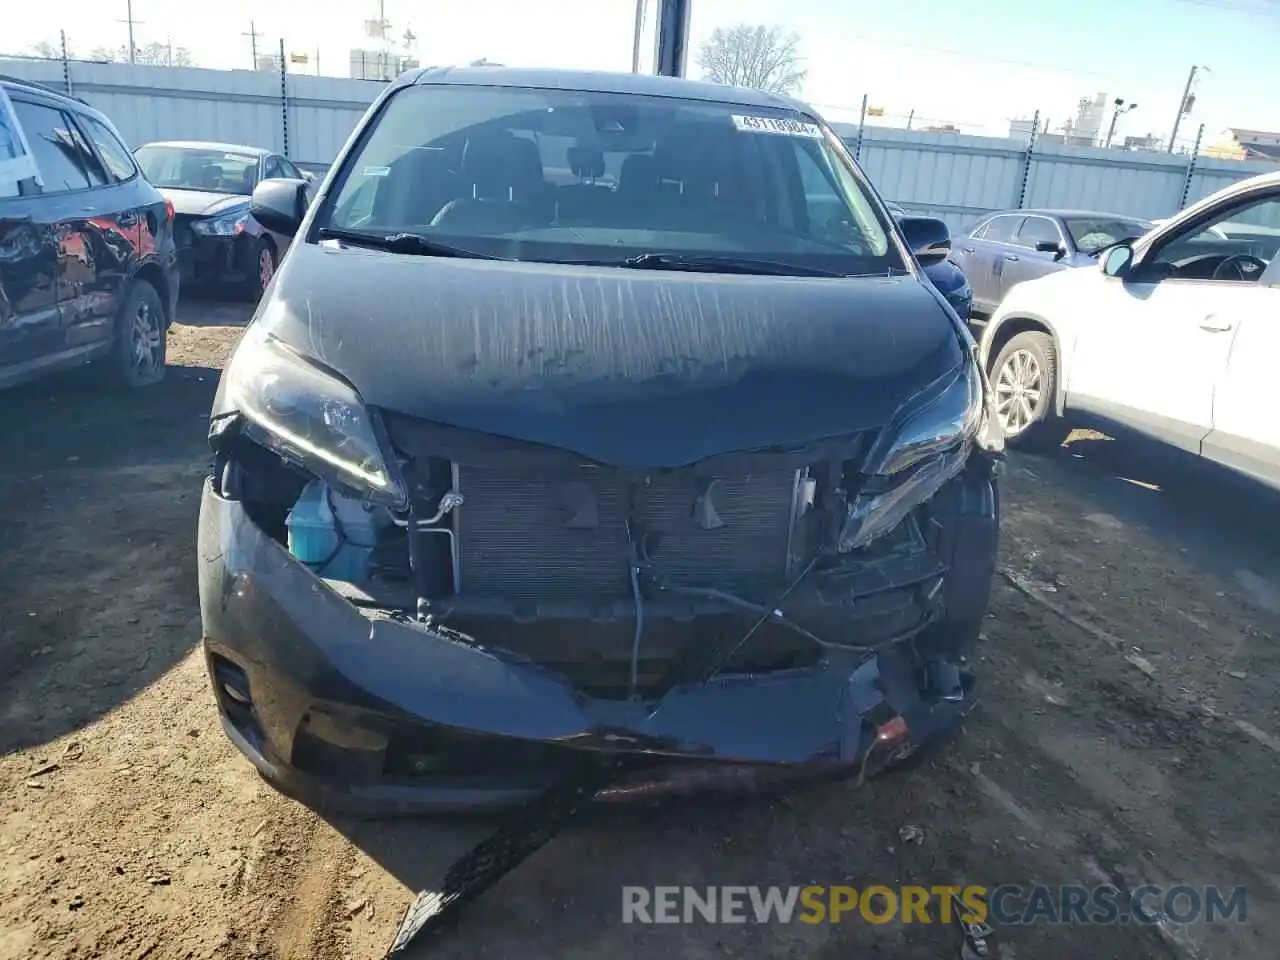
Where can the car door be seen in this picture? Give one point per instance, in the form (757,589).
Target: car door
(93,258)
(1153,348)
(30,324)
(1028,263)
(1246,427)
(987,254)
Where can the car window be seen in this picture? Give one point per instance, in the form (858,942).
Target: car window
(116,157)
(979,230)
(1091,234)
(208,169)
(1002,229)
(287,169)
(544,174)
(273,168)
(1236,245)
(89,159)
(1037,229)
(58,155)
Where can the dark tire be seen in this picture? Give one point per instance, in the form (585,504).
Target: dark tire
(1025,380)
(138,356)
(262,268)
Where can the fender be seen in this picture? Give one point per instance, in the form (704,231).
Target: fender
(1030,317)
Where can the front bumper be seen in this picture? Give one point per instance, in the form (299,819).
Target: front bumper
(373,712)
(207,259)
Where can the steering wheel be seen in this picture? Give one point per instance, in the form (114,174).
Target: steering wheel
(1245,266)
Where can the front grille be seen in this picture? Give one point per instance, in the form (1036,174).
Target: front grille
(563,534)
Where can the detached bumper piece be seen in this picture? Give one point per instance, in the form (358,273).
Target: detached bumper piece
(501,852)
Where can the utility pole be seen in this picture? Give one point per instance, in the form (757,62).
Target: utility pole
(1182,107)
(133,49)
(1121,107)
(910,116)
(635,46)
(253,43)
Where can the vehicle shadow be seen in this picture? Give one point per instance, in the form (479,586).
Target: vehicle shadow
(211,307)
(99,494)
(1226,522)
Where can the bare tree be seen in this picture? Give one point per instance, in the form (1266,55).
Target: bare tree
(45,49)
(154,54)
(766,58)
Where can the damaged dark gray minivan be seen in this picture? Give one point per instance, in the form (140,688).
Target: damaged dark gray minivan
(592,419)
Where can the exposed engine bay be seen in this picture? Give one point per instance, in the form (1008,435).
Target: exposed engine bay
(627,581)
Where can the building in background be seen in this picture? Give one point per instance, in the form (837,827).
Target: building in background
(388,56)
(1084,129)
(1020,129)
(1147,141)
(379,64)
(1238,143)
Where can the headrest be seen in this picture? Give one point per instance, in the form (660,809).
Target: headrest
(499,162)
(639,173)
(586,161)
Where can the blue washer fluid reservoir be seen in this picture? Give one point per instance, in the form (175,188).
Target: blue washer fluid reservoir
(332,534)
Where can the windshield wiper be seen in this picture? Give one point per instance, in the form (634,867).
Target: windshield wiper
(402,243)
(713,264)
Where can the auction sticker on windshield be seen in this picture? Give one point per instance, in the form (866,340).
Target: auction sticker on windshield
(788,128)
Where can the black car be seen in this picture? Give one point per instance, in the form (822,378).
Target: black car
(210,185)
(88,268)
(566,436)
(1011,246)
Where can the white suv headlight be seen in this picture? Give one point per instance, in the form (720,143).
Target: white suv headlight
(310,417)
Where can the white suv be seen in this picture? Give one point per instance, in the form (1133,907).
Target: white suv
(1175,335)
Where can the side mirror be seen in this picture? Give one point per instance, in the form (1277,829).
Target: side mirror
(1051,246)
(1118,261)
(929,239)
(279,204)
(308,176)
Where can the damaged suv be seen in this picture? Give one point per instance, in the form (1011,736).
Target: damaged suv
(592,420)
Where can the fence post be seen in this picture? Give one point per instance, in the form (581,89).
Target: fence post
(1027,159)
(66,65)
(284,101)
(1191,168)
(862,122)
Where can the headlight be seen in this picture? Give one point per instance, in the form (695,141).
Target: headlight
(912,461)
(227,225)
(309,417)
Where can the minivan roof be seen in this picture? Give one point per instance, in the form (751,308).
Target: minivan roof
(599,81)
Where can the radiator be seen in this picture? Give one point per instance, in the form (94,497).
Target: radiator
(561,533)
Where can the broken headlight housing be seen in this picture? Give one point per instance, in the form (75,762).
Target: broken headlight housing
(927,444)
(309,417)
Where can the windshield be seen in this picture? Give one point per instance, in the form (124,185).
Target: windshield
(1091,234)
(556,175)
(197,168)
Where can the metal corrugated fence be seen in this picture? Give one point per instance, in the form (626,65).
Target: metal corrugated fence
(954,177)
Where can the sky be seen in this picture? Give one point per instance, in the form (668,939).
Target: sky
(977,64)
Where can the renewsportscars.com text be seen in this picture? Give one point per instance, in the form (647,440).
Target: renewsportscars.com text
(1006,905)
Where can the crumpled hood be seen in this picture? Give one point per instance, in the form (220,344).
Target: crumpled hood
(628,367)
(201,203)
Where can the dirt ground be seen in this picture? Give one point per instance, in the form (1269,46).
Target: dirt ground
(1128,732)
